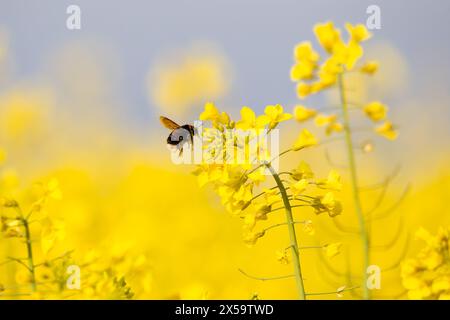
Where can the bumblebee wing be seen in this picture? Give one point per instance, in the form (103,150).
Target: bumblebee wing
(169,124)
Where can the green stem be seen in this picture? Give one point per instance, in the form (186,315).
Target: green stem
(354,182)
(292,235)
(29,253)
(330,292)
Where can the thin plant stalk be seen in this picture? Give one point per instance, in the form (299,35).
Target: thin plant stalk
(30,254)
(31,266)
(354,183)
(292,236)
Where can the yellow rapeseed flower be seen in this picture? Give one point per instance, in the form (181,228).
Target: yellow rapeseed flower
(303,171)
(304,52)
(427,276)
(348,54)
(52,231)
(276,115)
(370,67)
(251,237)
(333,249)
(387,130)
(250,121)
(329,204)
(302,71)
(327,35)
(358,33)
(305,139)
(376,110)
(306,62)
(330,122)
(271,196)
(257,176)
(333,182)
(302,113)
(185,81)
(303,90)
(298,187)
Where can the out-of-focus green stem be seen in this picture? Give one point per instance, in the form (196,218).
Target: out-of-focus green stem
(292,236)
(355,191)
(30,254)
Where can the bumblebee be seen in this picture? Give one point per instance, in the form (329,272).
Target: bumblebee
(179,135)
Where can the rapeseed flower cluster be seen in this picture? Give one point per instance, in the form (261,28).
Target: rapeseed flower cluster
(427,276)
(57,274)
(314,74)
(243,186)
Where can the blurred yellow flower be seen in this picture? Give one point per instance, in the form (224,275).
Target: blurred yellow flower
(257,176)
(370,67)
(376,110)
(53,190)
(52,231)
(329,204)
(193,77)
(348,54)
(302,71)
(305,139)
(251,237)
(303,171)
(358,33)
(271,196)
(24,115)
(333,249)
(306,62)
(298,187)
(387,130)
(327,36)
(330,122)
(304,51)
(261,211)
(303,90)
(427,276)
(302,113)
(333,181)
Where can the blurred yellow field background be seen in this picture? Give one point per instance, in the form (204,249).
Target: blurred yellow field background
(111,201)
